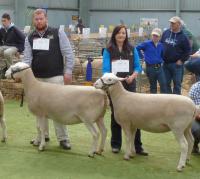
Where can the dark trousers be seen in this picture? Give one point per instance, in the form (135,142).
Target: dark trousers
(196,132)
(173,72)
(116,132)
(156,74)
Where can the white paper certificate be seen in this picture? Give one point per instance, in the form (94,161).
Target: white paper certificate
(120,66)
(41,44)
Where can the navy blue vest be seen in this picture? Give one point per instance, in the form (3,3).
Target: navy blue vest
(116,55)
(47,63)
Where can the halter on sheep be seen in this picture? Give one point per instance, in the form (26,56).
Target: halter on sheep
(151,112)
(47,100)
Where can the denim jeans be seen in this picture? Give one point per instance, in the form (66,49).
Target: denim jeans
(173,72)
(156,75)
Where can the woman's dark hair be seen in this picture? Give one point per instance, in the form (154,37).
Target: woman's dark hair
(112,45)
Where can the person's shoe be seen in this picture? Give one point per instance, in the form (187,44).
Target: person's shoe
(115,150)
(65,145)
(195,150)
(142,152)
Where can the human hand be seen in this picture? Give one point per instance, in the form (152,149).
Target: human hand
(67,79)
(195,55)
(131,78)
(197,118)
(179,62)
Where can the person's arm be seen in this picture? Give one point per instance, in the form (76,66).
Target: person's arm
(106,66)
(28,56)
(1,43)
(186,51)
(136,67)
(20,39)
(68,55)
(140,47)
(196,54)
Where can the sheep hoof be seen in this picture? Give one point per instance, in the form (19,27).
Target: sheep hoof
(132,155)
(91,155)
(35,142)
(126,157)
(99,152)
(3,140)
(41,148)
(180,168)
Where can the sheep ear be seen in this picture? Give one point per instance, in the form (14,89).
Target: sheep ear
(121,79)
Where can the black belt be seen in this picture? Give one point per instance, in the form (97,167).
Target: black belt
(154,65)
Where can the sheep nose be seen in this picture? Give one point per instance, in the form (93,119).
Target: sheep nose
(94,84)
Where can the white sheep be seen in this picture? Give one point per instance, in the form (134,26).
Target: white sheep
(2,120)
(67,104)
(151,112)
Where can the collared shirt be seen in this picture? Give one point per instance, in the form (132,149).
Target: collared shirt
(194,93)
(65,49)
(152,54)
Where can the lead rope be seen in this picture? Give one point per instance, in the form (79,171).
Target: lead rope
(22,99)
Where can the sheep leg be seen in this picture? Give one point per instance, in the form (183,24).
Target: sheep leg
(37,140)
(133,131)
(190,140)
(127,132)
(4,130)
(95,135)
(42,130)
(184,149)
(103,132)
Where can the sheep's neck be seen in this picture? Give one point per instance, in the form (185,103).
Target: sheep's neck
(29,81)
(116,91)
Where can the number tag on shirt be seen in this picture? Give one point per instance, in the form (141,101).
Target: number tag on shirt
(41,44)
(120,66)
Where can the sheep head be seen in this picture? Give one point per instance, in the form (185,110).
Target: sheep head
(107,80)
(12,72)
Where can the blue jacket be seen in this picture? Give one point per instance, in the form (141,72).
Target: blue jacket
(176,46)
(106,68)
(152,54)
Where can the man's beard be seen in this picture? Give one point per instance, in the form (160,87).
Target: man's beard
(41,28)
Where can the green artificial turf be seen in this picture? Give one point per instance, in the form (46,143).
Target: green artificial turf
(20,160)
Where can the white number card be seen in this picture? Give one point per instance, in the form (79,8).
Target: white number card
(41,44)
(120,66)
